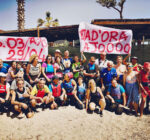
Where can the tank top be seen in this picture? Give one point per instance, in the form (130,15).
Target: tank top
(81,89)
(19,94)
(34,70)
(3,91)
(68,87)
(56,90)
(40,93)
(95,95)
(49,68)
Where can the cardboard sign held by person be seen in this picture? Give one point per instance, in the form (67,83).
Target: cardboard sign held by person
(21,48)
(98,39)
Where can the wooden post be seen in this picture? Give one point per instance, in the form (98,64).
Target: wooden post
(38,31)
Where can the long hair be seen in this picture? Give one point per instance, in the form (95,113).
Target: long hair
(48,57)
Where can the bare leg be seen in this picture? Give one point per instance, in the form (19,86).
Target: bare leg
(33,103)
(102,104)
(142,106)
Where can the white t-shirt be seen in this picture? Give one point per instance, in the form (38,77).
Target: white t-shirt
(101,64)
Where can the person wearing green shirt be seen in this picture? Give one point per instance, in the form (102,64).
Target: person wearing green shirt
(77,66)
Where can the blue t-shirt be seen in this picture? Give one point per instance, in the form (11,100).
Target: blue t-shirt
(108,75)
(116,93)
(5,68)
(68,86)
(81,89)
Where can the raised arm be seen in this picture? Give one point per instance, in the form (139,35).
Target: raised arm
(84,58)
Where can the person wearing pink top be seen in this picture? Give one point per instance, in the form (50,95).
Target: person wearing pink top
(48,68)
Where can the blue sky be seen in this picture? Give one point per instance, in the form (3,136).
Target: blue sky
(69,12)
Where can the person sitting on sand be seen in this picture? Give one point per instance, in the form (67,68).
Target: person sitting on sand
(94,96)
(41,94)
(81,89)
(14,83)
(4,92)
(116,97)
(70,86)
(58,92)
(21,99)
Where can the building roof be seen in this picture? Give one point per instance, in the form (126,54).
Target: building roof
(140,28)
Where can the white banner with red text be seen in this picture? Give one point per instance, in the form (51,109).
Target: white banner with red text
(21,48)
(99,39)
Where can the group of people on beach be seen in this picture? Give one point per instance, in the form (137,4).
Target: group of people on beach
(63,80)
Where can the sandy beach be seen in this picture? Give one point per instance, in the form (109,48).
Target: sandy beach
(68,123)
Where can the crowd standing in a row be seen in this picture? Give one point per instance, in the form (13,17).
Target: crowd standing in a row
(60,81)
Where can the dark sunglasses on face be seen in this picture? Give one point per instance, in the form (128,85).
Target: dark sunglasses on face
(18,77)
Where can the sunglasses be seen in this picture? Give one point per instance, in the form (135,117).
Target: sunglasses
(18,77)
(42,79)
(130,66)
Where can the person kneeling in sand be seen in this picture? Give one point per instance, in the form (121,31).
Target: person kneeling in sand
(21,99)
(70,86)
(94,96)
(4,92)
(41,94)
(58,92)
(116,97)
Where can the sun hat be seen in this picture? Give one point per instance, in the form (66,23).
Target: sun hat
(58,51)
(2,74)
(134,57)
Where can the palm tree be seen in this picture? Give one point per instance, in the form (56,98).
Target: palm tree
(21,15)
(49,22)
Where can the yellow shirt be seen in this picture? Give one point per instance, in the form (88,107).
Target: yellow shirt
(35,90)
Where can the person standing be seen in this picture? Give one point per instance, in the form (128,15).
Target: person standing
(107,74)
(102,61)
(144,85)
(131,84)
